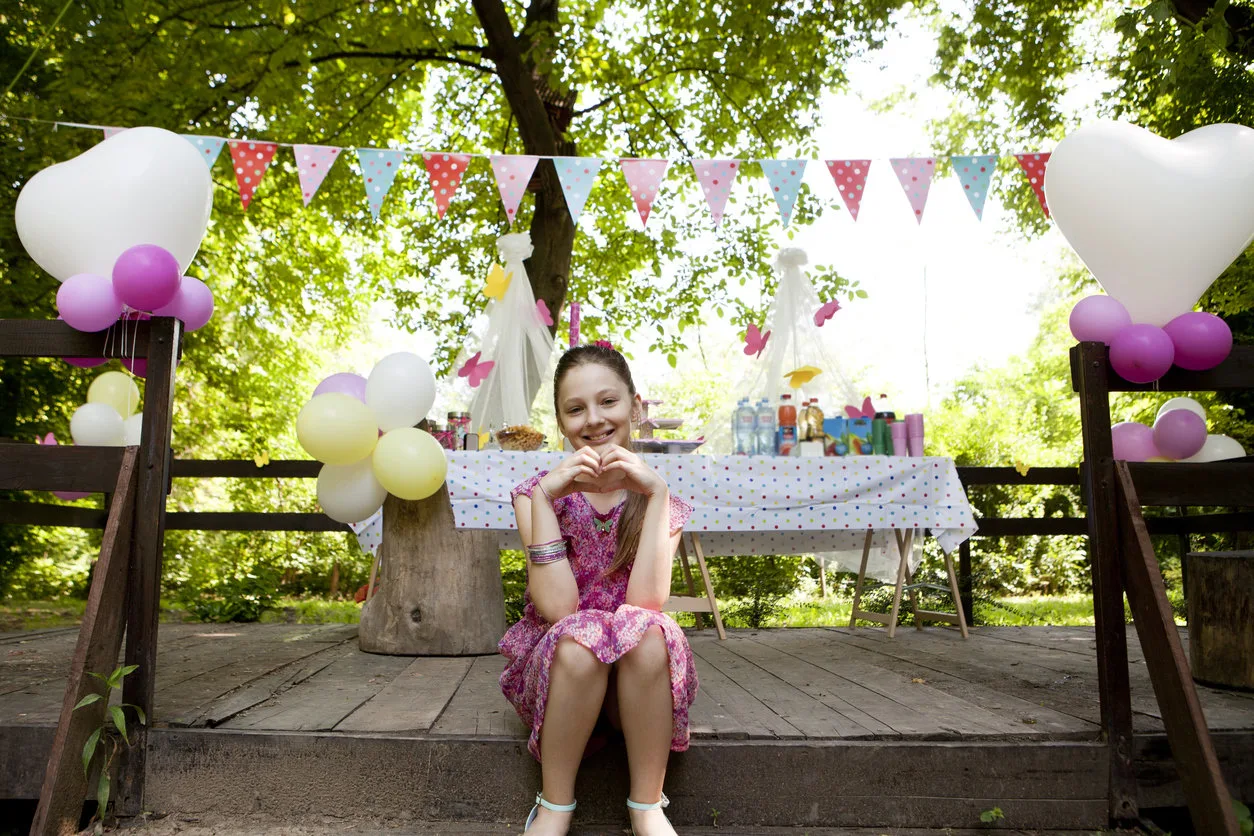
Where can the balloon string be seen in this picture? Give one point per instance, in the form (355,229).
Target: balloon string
(38,45)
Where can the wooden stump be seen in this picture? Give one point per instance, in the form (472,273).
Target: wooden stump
(1221,618)
(440,590)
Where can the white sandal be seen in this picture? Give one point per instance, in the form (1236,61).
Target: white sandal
(636,805)
(556,808)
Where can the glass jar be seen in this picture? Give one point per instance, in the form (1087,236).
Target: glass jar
(459,424)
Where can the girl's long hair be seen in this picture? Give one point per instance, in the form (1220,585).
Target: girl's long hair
(632,519)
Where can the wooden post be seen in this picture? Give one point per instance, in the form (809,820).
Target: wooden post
(1221,633)
(441,592)
(335,581)
(1089,378)
(964,582)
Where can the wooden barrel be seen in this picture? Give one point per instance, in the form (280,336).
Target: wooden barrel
(440,590)
(1221,618)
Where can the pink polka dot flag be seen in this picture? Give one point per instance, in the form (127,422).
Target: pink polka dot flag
(445,173)
(784,178)
(716,178)
(378,170)
(312,164)
(208,146)
(974,174)
(250,160)
(513,172)
(915,176)
(850,179)
(644,177)
(576,174)
(1034,167)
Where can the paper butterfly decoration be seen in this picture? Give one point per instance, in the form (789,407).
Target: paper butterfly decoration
(498,282)
(47,439)
(543,310)
(867,410)
(475,370)
(1022,468)
(800,377)
(825,312)
(755,341)
(261,459)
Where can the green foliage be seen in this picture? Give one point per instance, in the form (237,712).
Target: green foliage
(990,816)
(756,585)
(514,576)
(240,597)
(1243,818)
(105,738)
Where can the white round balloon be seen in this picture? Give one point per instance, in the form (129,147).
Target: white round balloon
(1182,403)
(350,493)
(1217,448)
(132,429)
(97,425)
(141,186)
(400,390)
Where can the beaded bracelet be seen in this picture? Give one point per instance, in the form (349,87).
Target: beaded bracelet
(549,552)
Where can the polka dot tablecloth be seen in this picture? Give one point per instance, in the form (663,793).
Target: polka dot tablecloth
(759,504)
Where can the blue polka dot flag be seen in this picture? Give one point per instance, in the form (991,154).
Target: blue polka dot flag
(208,146)
(378,170)
(974,175)
(784,177)
(576,174)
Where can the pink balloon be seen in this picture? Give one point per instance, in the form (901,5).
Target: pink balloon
(1098,318)
(88,302)
(70,496)
(1202,340)
(346,383)
(137,367)
(86,362)
(146,277)
(1141,353)
(192,305)
(1179,433)
(1133,442)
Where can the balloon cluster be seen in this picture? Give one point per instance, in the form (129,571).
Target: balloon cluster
(364,431)
(1178,434)
(1142,353)
(68,496)
(144,278)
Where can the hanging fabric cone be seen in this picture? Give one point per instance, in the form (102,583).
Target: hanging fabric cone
(576,174)
(975,174)
(784,178)
(1033,166)
(445,172)
(644,178)
(517,342)
(850,179)
(513,172)
(313,163)
(378,171)
(915,175)
(209,147)
(251,160)
(715,178)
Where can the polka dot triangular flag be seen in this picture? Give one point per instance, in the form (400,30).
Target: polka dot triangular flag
(850,179)
(312,164)
(716,178)
(250,160)
(209,147)
(513,172)
(1034,168)
(975,174)
(445,173)
(378,170)
(576,174)
(644,177)
(784,177)
(915,175)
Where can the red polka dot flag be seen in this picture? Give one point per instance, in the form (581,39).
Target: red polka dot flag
(250,160)
(445,173)
(1034,167)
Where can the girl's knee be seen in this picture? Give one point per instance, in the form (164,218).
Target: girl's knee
(650,655)
(573,658)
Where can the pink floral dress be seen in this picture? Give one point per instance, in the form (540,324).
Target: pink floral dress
(603,623)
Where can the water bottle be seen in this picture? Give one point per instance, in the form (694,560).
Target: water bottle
(765,431)
(742,428)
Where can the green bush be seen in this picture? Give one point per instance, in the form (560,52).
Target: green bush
(757,584)
(240,597)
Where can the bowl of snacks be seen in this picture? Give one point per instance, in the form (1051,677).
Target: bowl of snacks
(520,438)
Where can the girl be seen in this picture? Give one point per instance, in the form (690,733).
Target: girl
(600,532)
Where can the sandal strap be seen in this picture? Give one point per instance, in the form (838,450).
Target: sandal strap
(556,808)
(662,802)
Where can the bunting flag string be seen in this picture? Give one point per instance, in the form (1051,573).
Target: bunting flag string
(445,171)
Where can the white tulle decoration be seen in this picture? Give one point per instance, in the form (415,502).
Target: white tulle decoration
(517,341)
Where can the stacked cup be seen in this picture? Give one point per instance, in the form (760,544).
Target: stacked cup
(914,433)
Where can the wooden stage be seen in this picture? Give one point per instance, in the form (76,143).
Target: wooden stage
(819,727)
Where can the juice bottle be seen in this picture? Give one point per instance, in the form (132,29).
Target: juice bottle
(787,425)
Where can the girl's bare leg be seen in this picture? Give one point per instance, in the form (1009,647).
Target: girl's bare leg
(646,710)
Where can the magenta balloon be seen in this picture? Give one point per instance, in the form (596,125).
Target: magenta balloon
(1133,442)
(137,367)
(70,496)
(88,302)
(1179,433)
(1098,318)
(86,362)
(1202,340)
(1141,353)
(192,305)
(344,382)
(146,277)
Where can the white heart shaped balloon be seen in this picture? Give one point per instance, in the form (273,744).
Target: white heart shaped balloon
(1155,220)
(140,186)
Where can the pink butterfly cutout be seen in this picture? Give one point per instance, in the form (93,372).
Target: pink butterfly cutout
(867,411)
(543,310)
(825,312)
(475,370)
(47,439)
(755,341)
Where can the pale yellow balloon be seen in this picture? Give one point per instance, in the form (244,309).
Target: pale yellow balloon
(1159,459)
(410,463)
(337,429)
(116,389)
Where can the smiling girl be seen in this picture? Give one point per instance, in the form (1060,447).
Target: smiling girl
(600,531)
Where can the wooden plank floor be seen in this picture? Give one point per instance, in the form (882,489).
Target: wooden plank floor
(1008,683)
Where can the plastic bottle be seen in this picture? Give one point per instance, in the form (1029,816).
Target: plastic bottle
(883,409)
(787,425)
(765,433)
(743,421)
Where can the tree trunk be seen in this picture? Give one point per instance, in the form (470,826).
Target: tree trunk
(1221,618)
(440,591)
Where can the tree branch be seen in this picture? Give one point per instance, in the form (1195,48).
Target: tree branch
(534,127)
(1240,20)
(411,56)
